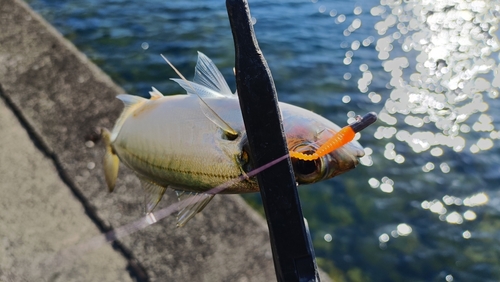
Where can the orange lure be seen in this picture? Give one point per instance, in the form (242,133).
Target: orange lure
(344,136)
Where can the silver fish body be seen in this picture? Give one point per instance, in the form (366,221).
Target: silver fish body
(172,143)
(197,141)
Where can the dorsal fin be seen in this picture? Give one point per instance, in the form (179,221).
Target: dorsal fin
(207,110)
(207,74)
(197,89)
(155,94)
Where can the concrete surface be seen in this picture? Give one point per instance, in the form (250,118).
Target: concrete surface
(40,216)
(53,194)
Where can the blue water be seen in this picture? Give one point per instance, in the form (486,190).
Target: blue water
(392,232)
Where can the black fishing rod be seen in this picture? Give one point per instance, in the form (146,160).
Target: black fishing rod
(291,245)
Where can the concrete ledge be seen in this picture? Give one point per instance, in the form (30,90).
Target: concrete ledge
(40,216)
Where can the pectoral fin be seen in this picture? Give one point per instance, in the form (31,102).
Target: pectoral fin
(191,204)
(111,162)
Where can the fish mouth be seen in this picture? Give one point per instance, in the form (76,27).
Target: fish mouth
(328,166)
(344,159)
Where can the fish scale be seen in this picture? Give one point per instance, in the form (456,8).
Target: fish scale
(164,145)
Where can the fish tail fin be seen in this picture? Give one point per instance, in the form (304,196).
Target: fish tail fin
(110,161)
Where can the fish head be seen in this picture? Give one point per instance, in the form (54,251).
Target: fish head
(305,132)
(325,167)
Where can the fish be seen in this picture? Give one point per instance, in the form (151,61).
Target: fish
(193,142)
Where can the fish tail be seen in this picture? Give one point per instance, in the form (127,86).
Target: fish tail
(110,161)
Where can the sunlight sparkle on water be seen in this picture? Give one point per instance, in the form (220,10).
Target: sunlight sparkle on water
(435,206)
(452,200)
(365,81)
(387,188)
(454,218)
(476,200)
(356,23)
(470,215)
(367,160)
(452,50)
(423,141)
(445,168)
(387,185)
(466,234)
(484,144)
(357,10)
(355,46)
(404,229)
(384,238)
(399,159)
(385,132)
(428,167)
(340,19)
(374,183)
(495,135)
(436,152)
(346,99)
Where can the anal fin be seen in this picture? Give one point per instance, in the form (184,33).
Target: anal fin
(154,193)
(190,205)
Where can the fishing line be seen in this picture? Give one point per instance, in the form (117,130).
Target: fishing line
(149,219)
(153,217)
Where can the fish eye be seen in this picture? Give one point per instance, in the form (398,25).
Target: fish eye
(229,136)
(225,135)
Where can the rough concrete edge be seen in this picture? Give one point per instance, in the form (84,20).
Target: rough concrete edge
(135,268)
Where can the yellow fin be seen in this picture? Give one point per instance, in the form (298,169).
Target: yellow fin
(111,162)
